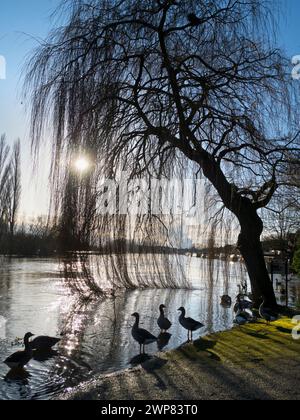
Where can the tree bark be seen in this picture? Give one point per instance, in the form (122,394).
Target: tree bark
(250,246)
(251,225)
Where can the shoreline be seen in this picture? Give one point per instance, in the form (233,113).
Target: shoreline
(252,362)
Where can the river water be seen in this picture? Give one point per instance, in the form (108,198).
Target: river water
(96,337)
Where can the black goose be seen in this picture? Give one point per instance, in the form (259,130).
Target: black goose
(43,343)
(140,335)
(242,303)
(244,316)
(163,322)
(268,314)
(189,324)
(20,358)
(226,300)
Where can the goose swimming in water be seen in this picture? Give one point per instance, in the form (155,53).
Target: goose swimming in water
(140,335)
(43,343)
(163,322)
(268,314)
(21,358)
(189,324)
(226,300)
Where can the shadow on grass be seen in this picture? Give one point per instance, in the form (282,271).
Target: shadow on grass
(205,346)
(284,330)
(260,335)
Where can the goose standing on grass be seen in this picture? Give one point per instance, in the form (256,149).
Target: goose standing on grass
(163,322)
(43,343)
(243,317)
(189,324)
(140,335)
(21,358)
(268,314)
(242,303)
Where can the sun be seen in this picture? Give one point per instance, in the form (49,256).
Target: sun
(82,164)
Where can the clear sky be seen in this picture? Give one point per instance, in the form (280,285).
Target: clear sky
(22,23)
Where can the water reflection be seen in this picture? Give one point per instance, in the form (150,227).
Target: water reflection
(96,335)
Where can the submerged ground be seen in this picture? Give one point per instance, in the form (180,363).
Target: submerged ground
(248,363)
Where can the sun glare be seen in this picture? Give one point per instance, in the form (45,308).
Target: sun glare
(82,164)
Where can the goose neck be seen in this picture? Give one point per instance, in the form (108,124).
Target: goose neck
(27,344)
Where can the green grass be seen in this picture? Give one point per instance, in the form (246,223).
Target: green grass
(256,361)
(248,343)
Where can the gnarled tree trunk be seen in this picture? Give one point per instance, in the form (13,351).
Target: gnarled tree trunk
(250,246)
(251,225)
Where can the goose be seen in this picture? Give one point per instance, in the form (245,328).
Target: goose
(241,318)
(189,324)
(140,335)
(21,358)
(43,343)
(226,300)
(268,314)
(242,303)
(163,322)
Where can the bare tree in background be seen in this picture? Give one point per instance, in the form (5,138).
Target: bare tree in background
(153,85)
(15,186)
(5,167)
(10,186)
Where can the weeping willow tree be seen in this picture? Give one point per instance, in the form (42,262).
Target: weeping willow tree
(160,88)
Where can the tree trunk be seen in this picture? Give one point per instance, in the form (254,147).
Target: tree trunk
(252,251)
(251,225)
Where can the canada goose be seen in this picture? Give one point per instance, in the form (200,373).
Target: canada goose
(226,300)
(241,318)
(21,358)
(43,343)
(268,314)
(242,303)
(163,322)
(189,324)
(140,335)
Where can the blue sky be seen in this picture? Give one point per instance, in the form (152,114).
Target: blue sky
(21,24)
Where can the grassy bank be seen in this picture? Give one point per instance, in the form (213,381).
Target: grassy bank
(252,362)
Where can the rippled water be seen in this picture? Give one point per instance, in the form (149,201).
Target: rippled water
(97,336)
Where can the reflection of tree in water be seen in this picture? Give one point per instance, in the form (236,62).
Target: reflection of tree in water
(95,276)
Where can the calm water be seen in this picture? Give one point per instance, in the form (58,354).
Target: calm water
(97,336)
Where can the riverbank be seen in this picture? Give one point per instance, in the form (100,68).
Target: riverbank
(252,362)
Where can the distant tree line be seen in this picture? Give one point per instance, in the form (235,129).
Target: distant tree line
(38,237)
(16,238)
